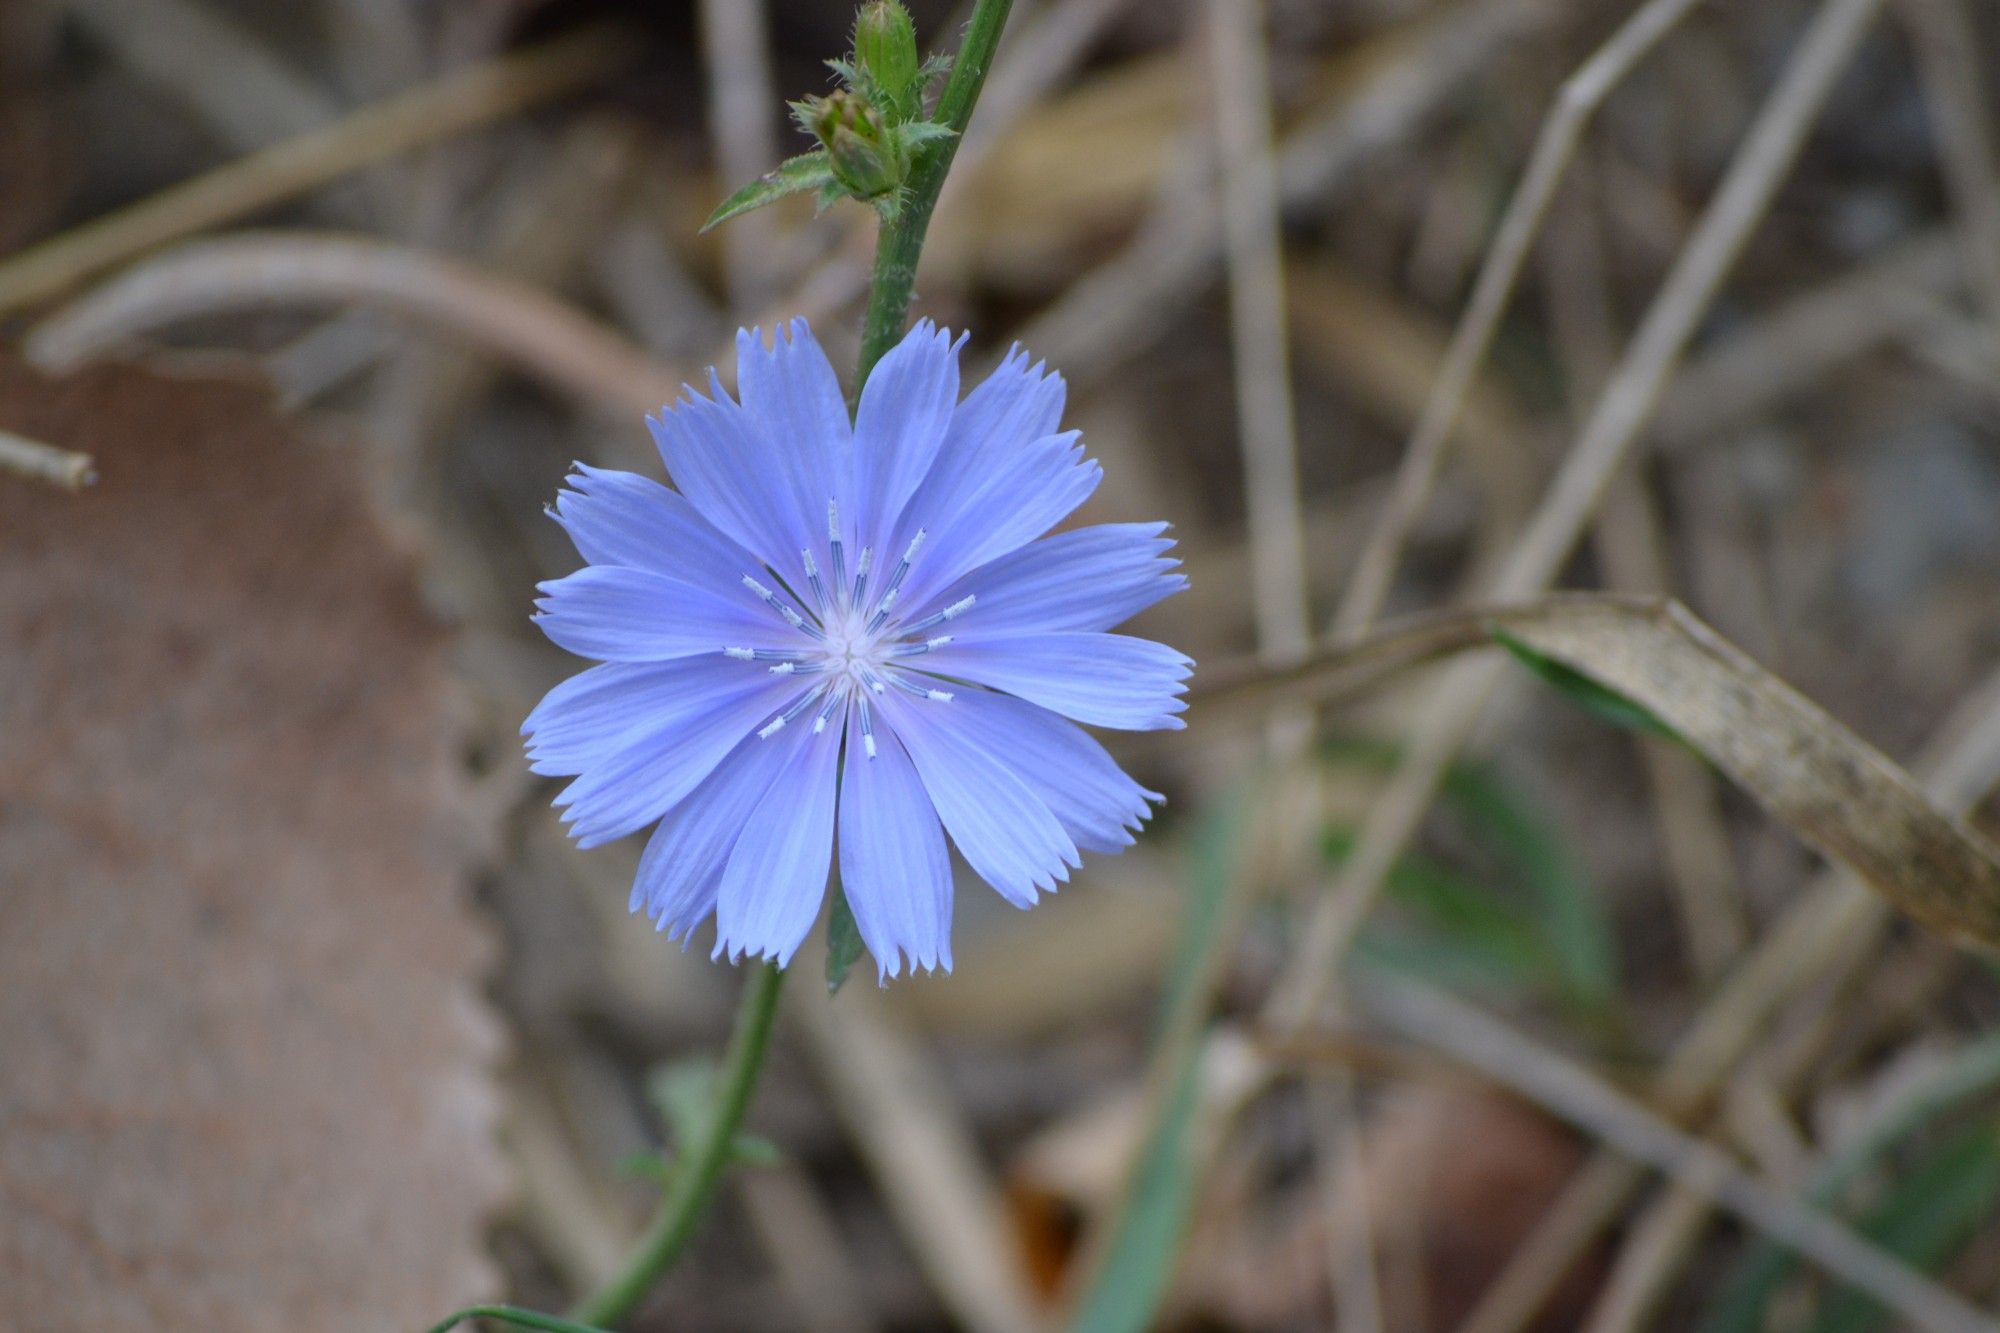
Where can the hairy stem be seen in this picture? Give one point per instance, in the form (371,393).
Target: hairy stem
(902,241)
(698,1166)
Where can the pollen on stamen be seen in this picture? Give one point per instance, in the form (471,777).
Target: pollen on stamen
(834,546)
(741,654)
(867,728)
(952,612)
(819,723)
(812,578)
(778,723)
(861,568)
(792,618)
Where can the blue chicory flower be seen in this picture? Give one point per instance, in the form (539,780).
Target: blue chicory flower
(856,626)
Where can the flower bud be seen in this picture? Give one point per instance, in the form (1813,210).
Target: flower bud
(858,145)
(885,48)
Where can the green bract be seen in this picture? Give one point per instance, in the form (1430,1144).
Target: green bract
(871,131)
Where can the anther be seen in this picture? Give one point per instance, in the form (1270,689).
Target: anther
(935,696)
(812,577)
(819,723)
(778,723)
(862,567)
(792,618)
(867,728)
(833,544)
(952,612)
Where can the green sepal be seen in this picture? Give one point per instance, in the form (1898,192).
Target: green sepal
(684,1094)
(807,171)
(843,942)
(885,48)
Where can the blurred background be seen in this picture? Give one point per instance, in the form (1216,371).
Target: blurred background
(310,1016)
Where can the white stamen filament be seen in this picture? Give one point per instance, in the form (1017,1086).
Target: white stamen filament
(952,612)
(812,578)
(771,599)
(904,683)
(777,724)
(832,701)
(862,567)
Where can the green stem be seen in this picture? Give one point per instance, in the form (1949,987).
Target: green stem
(698,1166)
(513,1314)
(902,241)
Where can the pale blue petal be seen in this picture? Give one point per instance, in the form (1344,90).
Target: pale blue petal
(1086,579)
(776,878)
(1024,494)
(906,408)
(681,872)
(593,714)
(1001,828)
(893,864)
(1107,680)
(657,766)
(1090,796)
(719,460)
(791,393)
(622,518)
(634,615)
(1019,402)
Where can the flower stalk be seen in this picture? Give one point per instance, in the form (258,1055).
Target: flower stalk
(698,1166)
(902,238)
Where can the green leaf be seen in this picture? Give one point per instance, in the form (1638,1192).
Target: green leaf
(1523,916)
(1942,1202)
(1135,1266)
(843,942)
(1972,1072)
(1604,704)
(683,1092)
(650,1166)
(807,171)
(1563,907)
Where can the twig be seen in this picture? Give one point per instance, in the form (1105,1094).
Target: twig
(1797,344)
(1576,102)
(179,45)
(1111,314)
(452,105)
(1650,1255)
(736,55)
(1824,930)
(1622,410)
(542,335)
(1628,536)
(1954,83)
(44,462)
(1553,1081)
(1248,188)
(917,1146)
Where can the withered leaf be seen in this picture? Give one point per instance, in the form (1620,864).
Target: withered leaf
(242,1050)
(1839,794)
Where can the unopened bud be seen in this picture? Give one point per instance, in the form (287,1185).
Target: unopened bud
(858,145)
(885,48)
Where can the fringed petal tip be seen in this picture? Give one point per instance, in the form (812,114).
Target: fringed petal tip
(901,962)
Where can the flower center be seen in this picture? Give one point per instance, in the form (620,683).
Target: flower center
(857,646)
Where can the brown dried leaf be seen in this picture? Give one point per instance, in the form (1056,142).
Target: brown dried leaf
(1839,794)
(243,1083)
